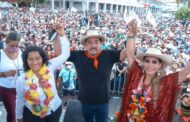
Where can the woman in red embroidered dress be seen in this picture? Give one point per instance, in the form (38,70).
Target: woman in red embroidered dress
(149,94)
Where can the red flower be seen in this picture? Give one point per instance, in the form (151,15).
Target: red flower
(47,71)
(46,85)
(33,86)
(46,102)
(133,106)
(37,101)
(27,95)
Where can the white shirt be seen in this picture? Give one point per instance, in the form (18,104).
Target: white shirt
(53,65)
(6,64)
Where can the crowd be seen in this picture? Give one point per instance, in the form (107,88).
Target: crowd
(170,36)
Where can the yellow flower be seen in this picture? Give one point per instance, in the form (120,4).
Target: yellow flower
(43,70)
(45,109)
(30,102)
(46,77)
(49,92)
(28,82)
(29,74)
(34,94)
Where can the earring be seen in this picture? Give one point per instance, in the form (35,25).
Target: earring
(158,73)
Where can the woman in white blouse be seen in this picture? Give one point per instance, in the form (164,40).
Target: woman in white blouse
(10,68)
(37,97)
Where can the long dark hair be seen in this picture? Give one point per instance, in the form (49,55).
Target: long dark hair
(41,51)
(13,36)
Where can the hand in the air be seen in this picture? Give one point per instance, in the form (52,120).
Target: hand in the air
(59,27)
(132,28)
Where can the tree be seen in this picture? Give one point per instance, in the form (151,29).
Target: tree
(188,3)
(183,14)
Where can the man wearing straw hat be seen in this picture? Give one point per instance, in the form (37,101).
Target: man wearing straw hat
(93,67)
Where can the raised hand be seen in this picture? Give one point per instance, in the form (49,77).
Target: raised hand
(59,29)
(132,28)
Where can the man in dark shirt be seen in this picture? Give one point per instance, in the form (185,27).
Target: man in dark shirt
(93,67)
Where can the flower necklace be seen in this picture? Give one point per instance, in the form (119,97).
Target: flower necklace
(32,96)
(137,105)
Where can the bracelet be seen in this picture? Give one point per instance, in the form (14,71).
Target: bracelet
(131,37)
(2,74)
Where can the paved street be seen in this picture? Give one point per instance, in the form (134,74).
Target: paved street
(2,113)
(113,107)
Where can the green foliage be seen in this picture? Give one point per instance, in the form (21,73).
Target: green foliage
(183,13)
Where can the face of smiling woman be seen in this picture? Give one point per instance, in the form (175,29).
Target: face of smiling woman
(151,65)
(34,61)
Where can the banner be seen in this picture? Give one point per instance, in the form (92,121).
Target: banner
(132,15)
(150,18)
(73,9)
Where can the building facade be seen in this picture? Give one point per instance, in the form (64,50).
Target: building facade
(111,6)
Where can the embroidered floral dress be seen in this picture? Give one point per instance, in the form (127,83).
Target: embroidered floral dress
(165,104)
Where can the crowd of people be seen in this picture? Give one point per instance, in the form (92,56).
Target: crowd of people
(28,30)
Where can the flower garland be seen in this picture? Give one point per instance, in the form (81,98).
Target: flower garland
(32,95)
(184,117)
(137,107)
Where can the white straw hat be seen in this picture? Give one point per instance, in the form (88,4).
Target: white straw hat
(90,34)
(154,52)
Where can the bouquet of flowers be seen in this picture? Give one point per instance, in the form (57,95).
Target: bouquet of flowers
(137,107)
